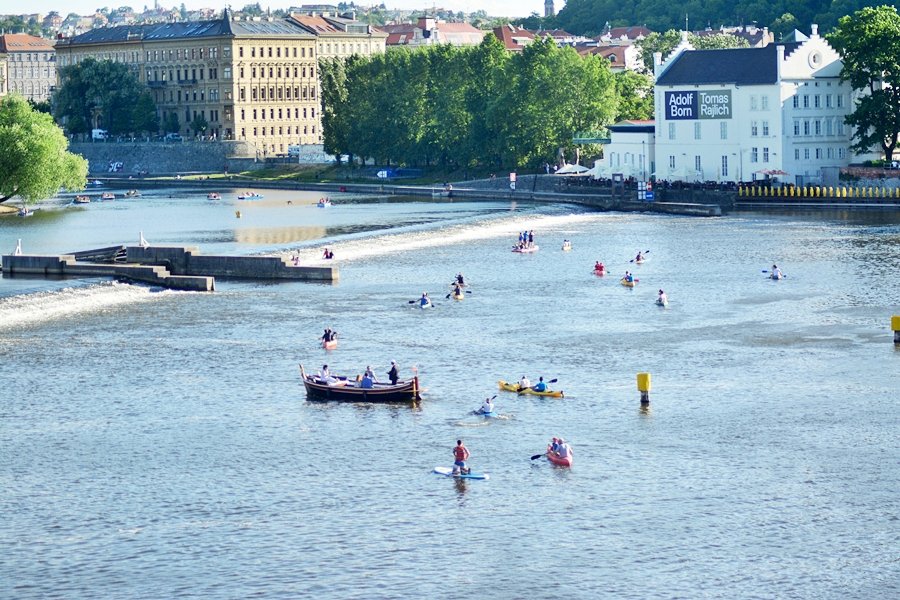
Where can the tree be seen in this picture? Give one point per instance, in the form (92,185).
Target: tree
(144,118)
(95,93)
(199,124)
(172,125)
(34,160)
(869,44)
(783,25)
(635,91)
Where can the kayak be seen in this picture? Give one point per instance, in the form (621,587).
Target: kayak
(329,345)
(514,387)
(558,460)
(566,247)
(776,277)
(426,305)
(663,303)
(448,472)
(527,250)
(458,296)
(599,272)
(487,415)
(627,283)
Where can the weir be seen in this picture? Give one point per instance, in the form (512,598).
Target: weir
(175,267)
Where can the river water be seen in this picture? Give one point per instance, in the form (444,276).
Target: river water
(158,444)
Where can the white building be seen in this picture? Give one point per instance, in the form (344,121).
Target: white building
(752,113)
(631,150)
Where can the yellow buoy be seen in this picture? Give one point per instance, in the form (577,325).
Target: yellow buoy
(895,325)
(643,385)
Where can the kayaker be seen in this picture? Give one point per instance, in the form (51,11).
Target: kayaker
(639,257)
(663,299)
(598,266)
(540,386)
(629,277)
(776,272)
(424,300)
(394,373)
(487,406)
(460,456)
(524,383)
(459,279)
(564,450)
(554,445)
(457,291)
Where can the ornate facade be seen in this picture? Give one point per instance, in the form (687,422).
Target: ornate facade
(254,81)
(30,66)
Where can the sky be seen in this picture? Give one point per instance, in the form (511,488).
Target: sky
(496,8)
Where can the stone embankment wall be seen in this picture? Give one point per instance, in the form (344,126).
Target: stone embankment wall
(169,158)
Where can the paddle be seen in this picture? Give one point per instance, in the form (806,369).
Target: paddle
(645,252)
(447,297)
(537,456)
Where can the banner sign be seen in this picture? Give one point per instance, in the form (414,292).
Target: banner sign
(695,104)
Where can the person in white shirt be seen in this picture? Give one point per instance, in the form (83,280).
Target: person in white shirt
(487,406)
(565,450)
(524,383)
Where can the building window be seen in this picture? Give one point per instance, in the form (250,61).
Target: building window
(818,124)
(697,130)
(840,153)
(840,101)
(753,102)
(805,101)
(754,155)
(796,101)
(696,162)
(817,101)
(796,153)
(765,128)
(725,166)
(829,128)
(827,100)
(671,159)
(226,72)
(806,154)
(252,55)
(254,114)
(830,152)
(723,130)
(818,153)
(671,125)
(765,154)
(754,129)
(805,127)
(764,100)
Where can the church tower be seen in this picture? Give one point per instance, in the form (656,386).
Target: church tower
(548,8)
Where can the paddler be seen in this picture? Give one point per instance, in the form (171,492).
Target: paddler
(460,280)
(540,386)
(424,300)
(460,456)
(524,383)
(598,266)
(487,406)
(662,299)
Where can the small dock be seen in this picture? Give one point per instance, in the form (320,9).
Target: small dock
(174,267)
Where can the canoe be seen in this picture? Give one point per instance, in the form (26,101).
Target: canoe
(107,196)
(249,196)
(349,390)
(528,250)
(514,387)
(627,283)
(329,345)
(448,472)
(82,200)
(558,460)
(323,204)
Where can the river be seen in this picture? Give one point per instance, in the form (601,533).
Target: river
(158,444)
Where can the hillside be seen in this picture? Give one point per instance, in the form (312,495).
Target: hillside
(589,17)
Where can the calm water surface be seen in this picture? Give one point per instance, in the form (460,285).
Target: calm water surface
(159,444)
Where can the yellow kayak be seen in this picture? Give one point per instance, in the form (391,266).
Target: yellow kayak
(627,283)
(514,387)
(458,296)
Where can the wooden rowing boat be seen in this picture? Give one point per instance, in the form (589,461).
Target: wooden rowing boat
(349,390)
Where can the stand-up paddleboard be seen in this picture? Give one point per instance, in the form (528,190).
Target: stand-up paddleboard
(448,472)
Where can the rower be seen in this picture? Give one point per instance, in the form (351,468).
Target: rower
(663,299)
(540,386)
(424,300)
(524,383)
(459,279)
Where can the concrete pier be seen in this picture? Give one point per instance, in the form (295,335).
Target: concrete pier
(180,268)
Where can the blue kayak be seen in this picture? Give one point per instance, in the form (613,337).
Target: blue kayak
(487,415)
(448,472)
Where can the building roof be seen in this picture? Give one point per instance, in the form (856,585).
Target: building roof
(512,37)
(739,66)
(191,29)
(634,126)
(630,33)
(316,25)
(614,54)
(22,42)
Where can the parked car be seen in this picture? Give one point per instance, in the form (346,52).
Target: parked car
(99,134)
(173,137)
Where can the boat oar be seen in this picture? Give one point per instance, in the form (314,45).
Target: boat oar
(537,456)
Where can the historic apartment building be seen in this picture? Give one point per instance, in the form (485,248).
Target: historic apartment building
(254,81)
(338,37)
(29,67)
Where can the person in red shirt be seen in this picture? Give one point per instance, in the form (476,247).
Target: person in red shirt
(460,455)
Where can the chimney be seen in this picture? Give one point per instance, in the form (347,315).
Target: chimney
(780,51)
(765,37)
(814,30)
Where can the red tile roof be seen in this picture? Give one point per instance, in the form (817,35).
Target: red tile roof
(22,42)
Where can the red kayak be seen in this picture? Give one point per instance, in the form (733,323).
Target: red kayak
(600,272)
(557,460)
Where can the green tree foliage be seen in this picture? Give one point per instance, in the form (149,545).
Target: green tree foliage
(199,125)
(34,160)
(635,92)
(465,106)
(144,118)
(784,25)
(666,42)
(101,92)
(869,43)
(588,17)
(172,124)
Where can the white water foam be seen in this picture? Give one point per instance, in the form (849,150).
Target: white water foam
(28,309)
(446,236)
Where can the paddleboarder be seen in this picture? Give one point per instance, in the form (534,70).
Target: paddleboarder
(460,456)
